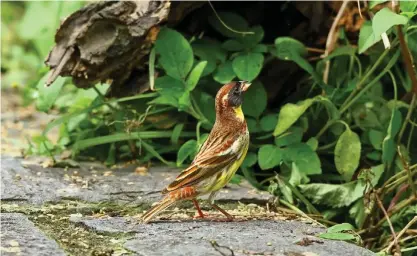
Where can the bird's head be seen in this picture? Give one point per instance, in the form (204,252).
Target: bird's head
(230,98)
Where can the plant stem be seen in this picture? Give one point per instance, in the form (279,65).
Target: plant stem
(103,99)
(368,86)
(410,67)
(407,118)
(366,76)
(397,247)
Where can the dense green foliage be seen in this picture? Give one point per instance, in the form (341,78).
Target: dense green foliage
(332,152)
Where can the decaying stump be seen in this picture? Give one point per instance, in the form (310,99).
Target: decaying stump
(108,41)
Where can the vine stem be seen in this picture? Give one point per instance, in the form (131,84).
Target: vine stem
(330,42)
(397,246)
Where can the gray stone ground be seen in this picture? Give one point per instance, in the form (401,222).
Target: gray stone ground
(49,197)
(20,237)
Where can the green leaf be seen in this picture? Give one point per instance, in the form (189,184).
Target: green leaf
(347,154)
(247,66)
(187,149)
(374,3)
(252,40)
(195,75)
(388,144)
(293,135)
(337,236)
(169,86)
(340,227)
(48,95)
(346,50)
(250,160)
(233,45)
(184,101)
(208,108)
(254,100)
(313,143)
(176,132)
(357,212)
(333,195)
(376,137)
(304,157)
(209,51)
(408,6)
(260,48)
(268,122)
(176,55)
(269,156)
(224,73)
(287,48)
(367,37)
(289,114)
(384,19)
(232,20)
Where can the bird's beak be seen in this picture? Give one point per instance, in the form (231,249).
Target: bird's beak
(245,86)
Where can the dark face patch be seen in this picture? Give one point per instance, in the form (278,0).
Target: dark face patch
(235,95)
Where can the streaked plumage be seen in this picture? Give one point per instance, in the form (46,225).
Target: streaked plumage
(218,159)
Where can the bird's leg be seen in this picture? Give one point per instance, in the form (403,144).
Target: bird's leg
(211,202)
(200,213)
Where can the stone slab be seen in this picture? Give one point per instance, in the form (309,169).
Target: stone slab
(256,237)
(27,181)
(19,236)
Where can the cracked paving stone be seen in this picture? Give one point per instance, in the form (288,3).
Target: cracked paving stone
(28,182)
(19,236)
(259,237)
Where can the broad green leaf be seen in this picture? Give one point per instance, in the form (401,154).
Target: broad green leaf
(346,50)
(195,75)
(388,144)
(232,20)
(357,212)
(169,86)
(285,190)
(333,195)
(289,114)
(334,113)
(376,137)
(48,95)
(313,143)
(367,37)
(176,55)
(297,177)
(268,122)
(374,3)
(337,236)
(252,40)
(224,73)
(374,155)
(233,45)
(290,49)
(384,19)
(207,106)
(254,100)
(176,132)
(347,154)
(209,51)
(247,66)
(250,160)
(269,156)
(340,227)
(304,157)
(253,125)
(287,48)
(293,135)
(408,6)
(187,149)
(184,101)
(260,48)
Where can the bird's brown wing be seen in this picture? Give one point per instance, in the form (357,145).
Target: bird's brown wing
(214,155)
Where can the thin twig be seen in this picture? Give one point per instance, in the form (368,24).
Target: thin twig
(226,26)
(216,247)
(409,175)
(331,40)
(402,233)
(397,246)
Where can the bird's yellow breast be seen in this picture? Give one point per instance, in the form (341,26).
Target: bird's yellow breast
(239,113)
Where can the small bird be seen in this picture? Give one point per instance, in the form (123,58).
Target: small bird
(218,158)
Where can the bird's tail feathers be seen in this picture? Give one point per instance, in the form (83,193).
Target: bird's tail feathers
(165,203)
